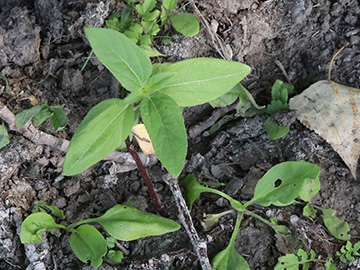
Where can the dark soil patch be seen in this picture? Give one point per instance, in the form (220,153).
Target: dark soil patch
(42,49)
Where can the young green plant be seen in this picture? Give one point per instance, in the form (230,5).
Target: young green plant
(151,22)
(280,186)
(120,222)
(157,92)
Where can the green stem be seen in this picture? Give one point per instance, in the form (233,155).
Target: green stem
(234,203)
(236,228)
(89,220)
(276,228)
(87,61)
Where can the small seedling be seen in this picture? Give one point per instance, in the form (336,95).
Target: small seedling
(4,136)
(151,22)
(294,179)
(348,252)
(120,222)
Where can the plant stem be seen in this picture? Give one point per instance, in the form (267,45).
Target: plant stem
(185,219)
(160,209)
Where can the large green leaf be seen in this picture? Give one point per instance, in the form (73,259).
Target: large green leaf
(121,56)
(337,227)
(200,80)
(33,226)
(88,244)
(127,223)
(165,124)
(284,182)
(102,130)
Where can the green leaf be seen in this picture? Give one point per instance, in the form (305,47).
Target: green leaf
(115,256)
(200,80)
(277,106)
(289,178)
(169,4)
(33,226)
(229,258)
(24,116)
(228,98)
(274,130)
(151,52)
(4,136)
(194,189)
(102,130)
(165,124)
(42,116)
(186,24)
(309,211)
(59,119)
(54,210)
(123,58)
(292,261)
(110,242)
(337,227)
(247,106)
(329,265)
(157,81)
(127,223)
(160,68)
(146,7)
(88,244)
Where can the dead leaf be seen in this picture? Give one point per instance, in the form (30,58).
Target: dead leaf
(332,111)
(143,139)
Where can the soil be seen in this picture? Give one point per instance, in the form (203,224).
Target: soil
(43,48)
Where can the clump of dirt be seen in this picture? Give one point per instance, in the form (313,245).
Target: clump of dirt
(42,50)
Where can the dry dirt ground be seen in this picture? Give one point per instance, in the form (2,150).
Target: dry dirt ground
(42,49)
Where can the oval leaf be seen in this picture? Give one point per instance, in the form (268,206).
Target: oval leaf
(186,24)
(58,119)
(102,130)
(200,80)
(284,182)
(165,124)
(33,226)
(127,223)
(24,116)
(337,227)
(229,259)
(129,64)
(88,244)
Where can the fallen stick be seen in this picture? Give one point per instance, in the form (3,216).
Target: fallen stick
(199,245)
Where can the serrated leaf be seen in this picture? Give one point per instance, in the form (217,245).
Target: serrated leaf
(274,130)
(186,24)
(121,56)
(102,130)
(337,227)
(331,110)
(277,106)
(127,223)
(292,261)
(58,119)
(4,136)
(110,242)
(115,256)
(33,226)
(26,115)
(165,124)
(200,80)
(88,244)
(290,178)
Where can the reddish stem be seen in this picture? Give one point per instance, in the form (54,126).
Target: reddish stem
(146,178)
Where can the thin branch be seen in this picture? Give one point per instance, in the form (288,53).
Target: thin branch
(186,220)
(145,176)
(42,138)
